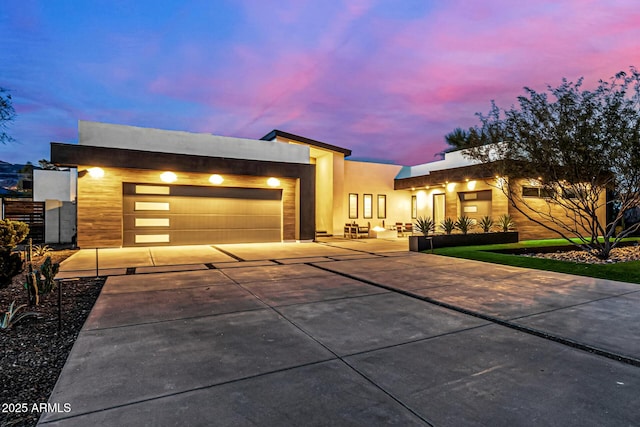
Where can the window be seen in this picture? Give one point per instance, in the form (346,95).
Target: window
(414,207)
(367,206)
(530,192)
(353,206)
(538,192)
(382,206)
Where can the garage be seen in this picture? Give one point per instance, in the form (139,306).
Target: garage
(189,215)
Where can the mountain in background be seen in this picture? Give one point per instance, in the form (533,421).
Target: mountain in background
(16,179)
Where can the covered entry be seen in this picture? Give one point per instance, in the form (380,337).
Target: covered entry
(188,215)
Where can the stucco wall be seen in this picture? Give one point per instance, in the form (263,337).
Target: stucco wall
(200,144)
(374,178)
(60,221)
(55,185)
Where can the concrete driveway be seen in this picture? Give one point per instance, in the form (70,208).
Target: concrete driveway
(352,333)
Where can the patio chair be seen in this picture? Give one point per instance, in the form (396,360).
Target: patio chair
(362,230)
(347,230)
(408,228)
(400,229)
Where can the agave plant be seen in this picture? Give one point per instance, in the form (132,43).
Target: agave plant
(464,224)
(486,223)
(448,225)
(11,316)
(425,225)
(505,223)
(41,250)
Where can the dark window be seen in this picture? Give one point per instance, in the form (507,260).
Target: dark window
(530,192)
(547,193)
(539,192)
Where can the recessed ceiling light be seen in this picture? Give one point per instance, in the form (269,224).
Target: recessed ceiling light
(216,179)
(168,177)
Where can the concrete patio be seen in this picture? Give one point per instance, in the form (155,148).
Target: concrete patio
(316,334)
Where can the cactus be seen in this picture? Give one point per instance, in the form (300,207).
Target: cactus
(45,276)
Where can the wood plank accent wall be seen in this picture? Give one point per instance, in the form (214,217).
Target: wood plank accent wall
(100,201)
(499,201)
(530,230)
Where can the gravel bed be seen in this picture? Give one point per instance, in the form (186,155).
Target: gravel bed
(624,254)
(33,352)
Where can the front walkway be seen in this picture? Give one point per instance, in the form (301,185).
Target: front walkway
(318,335)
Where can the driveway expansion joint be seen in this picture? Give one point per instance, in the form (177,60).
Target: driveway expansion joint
(336,356)
(190,390)
(227,253)
(520,328)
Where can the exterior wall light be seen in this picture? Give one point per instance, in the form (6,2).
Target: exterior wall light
(168,177)
(95,172)
(451,186)
(216,179)
(471,185)
(273,182)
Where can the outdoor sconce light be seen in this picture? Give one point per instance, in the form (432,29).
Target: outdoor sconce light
(471,185)
(168,177)
(451,186)
(94,172)
(273,182)
(216,179)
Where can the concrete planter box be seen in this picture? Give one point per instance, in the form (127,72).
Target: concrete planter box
(421,243)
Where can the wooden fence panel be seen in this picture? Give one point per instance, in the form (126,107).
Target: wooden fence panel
(30,212)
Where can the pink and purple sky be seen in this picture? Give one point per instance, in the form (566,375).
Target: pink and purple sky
(387,79)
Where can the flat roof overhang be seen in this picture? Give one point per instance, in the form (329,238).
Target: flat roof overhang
(440,177)
(312,142)
(73,155)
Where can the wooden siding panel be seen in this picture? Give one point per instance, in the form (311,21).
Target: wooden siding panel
(528,229)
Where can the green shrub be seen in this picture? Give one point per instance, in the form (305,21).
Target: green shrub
(10,266)
(11,316)
(448,225)
(505,223)
(486,223)
(12,233)
(464,224)
(425,225)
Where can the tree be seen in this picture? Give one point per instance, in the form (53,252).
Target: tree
(7,115)
(47,165)
(577,145)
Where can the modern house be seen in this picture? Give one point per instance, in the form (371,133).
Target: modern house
(141,187)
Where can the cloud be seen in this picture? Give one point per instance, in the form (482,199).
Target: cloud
(385,79)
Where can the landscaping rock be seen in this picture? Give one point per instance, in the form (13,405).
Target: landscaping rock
(623,254)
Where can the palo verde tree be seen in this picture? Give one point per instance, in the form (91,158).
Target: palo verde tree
(7,115)
(577,146)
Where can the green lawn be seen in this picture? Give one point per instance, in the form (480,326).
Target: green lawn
(626,271)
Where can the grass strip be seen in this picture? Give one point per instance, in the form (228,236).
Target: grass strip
(623,271)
